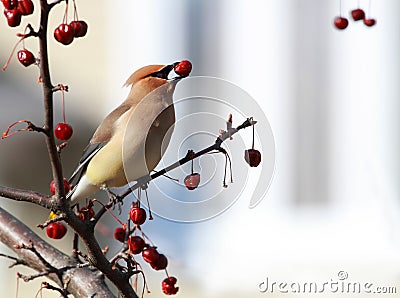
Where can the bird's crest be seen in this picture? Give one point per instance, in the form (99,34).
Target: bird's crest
(141,73)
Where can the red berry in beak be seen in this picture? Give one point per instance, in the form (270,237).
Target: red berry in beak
(13,17)
(67,187)
(80,28)
(25,7)
(56,230)
(341,23)
(150,255)
(161,263)
(252,157)
(183,68)
(63,131)
(136,244)
(192,181)
(26,57)
(168,286)
(64,34)
(137,215)
(10,4)
(369,22)
(358,14)
(119,234)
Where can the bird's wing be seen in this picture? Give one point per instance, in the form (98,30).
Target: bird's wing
(100,138)
(105,130)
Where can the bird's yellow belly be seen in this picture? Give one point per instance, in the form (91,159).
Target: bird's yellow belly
(106,168)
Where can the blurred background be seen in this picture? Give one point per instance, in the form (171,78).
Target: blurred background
(332,100)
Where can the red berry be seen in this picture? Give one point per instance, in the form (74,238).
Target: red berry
(10,4)
(64,34)
(168,286)
(63,131)
(169,290)
(161,263)
(56,230)
(26,57)
(25,7)
(183,68)
(150,255)
(358,14)
(86,213)
(192,181)
(119,234)
(341,23)
(369,22)
(80,28)
(137,215)
(13,17)
(252,157)
(170,280)
(136,244)
(67,187)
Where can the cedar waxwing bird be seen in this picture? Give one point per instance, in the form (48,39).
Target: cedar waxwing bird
(150,117)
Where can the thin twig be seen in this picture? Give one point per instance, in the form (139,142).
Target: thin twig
(63,292)
(16,261)
(55,3)
(32,248)
(51,220)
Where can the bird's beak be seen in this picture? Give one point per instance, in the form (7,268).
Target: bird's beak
(169,68)
(165,72)
(177,77)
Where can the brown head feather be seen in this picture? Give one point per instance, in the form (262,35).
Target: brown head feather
(141,73)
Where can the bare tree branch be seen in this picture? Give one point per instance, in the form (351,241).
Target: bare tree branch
(83,282)
(27,196)
(47,86)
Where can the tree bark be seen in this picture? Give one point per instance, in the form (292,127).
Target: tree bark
(82,282)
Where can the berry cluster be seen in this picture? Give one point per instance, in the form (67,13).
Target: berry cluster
(65,33)
(14,10)
(137,244)
(357,14)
